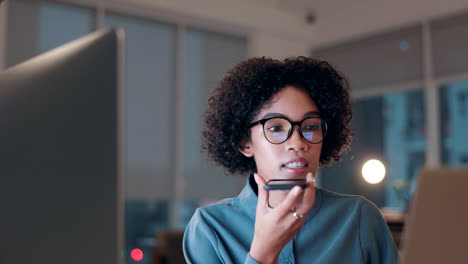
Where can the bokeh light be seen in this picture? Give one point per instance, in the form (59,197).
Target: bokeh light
(404,45)
(373,171)
(136,254)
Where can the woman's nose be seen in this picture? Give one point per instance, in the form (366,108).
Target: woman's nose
(296,142)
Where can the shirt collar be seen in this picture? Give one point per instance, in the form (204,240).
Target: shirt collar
(248,199)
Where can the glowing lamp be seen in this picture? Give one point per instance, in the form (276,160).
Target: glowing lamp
(373,171)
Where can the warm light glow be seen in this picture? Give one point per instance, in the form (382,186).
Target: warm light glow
(136,254)
(373,171)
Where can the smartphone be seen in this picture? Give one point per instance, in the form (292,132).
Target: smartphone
(284,184)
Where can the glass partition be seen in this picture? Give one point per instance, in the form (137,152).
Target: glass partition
(208,56)
(454,124)
(150,50)
(390,128)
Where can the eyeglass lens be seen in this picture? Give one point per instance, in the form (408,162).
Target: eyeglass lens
(277,130)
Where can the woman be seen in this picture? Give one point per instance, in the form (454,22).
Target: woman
(282,120)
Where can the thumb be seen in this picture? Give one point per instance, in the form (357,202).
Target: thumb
(262,205)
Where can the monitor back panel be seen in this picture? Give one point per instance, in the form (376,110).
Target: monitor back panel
(61,156)
(437,228)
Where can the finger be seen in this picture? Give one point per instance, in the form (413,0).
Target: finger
(309,195)
(291,201)
(262,204)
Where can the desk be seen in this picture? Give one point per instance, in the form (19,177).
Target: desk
(168,248)
(396,223)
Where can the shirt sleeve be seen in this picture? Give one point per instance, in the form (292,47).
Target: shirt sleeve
(201,243)
(376,240)
(250,260)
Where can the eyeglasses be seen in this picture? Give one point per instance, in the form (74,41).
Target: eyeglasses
(278,129)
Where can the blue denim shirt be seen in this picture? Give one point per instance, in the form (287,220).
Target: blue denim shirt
(338,229)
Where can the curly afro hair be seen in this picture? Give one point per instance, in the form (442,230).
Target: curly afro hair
(245,89)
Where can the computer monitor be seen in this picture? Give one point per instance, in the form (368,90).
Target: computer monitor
(62,153)
(436,230)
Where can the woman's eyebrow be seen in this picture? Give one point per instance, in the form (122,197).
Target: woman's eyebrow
(269,115)
(308,114)
(312,114)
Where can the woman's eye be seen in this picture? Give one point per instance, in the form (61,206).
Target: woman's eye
(276,128)
(311,128)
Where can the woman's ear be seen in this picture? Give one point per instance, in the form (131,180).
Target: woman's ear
(245,147)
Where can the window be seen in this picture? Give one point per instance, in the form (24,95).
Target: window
(59,24)
(208,56)
(390,128)
(150,102)
(454,124)
(404,145)
(386,75)
(37,26)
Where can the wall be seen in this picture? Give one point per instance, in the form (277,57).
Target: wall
(272,32)
(284,33)
(356,18)
(270,45)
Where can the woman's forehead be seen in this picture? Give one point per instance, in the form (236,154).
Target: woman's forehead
(290,102)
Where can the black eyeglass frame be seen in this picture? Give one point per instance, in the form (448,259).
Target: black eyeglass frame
(299,124)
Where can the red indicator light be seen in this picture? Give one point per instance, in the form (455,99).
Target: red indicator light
(136,254)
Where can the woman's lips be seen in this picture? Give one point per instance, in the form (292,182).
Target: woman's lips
(298,165)
(297,170)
